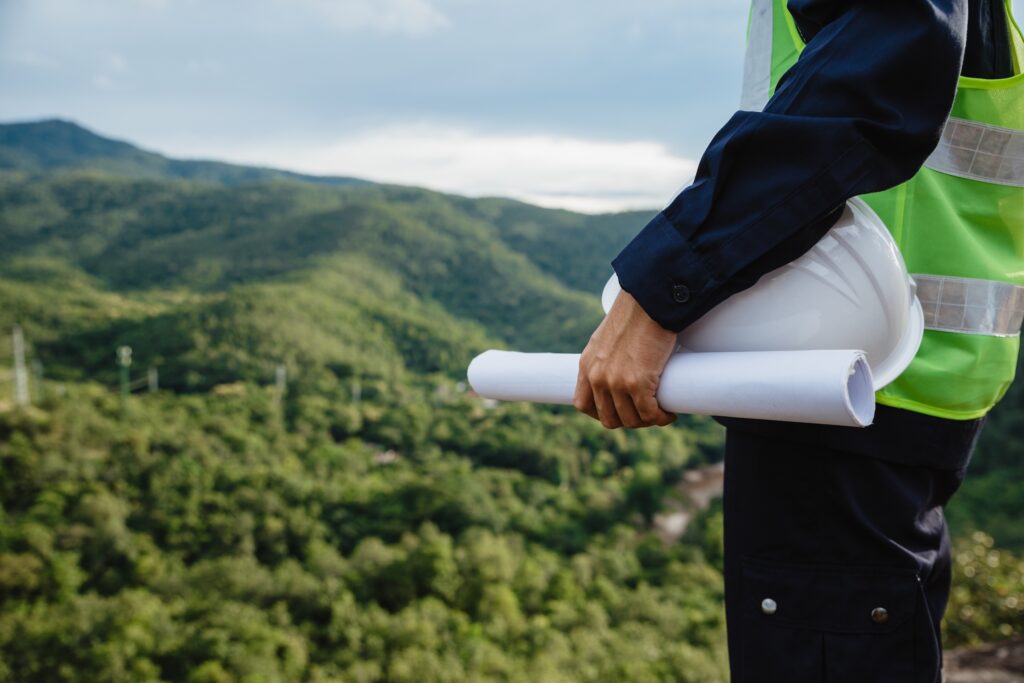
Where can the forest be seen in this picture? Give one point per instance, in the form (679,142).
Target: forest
(311,492)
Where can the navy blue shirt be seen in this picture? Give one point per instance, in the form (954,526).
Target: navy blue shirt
(859,112)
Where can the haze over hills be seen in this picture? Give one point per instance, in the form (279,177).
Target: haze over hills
(56,144)
(528,275)
(312,495)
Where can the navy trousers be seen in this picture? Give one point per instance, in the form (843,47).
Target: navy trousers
(837,560)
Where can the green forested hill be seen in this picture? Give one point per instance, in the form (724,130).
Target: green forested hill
(370,520)
(136,236)
(43,146)
(574,248)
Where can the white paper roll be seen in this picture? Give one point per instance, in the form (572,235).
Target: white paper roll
(821,387)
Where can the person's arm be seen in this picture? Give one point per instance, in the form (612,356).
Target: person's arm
(859,112)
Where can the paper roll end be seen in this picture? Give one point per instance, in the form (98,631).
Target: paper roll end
(860,391)
(476,368)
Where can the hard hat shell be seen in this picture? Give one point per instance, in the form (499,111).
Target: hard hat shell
(850,291)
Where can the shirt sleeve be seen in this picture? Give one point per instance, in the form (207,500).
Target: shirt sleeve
(859,112)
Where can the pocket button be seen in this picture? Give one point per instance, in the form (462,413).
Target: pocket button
(768,606)
(880,615)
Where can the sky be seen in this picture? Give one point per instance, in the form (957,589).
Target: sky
(593,105)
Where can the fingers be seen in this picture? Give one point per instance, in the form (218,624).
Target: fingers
(618,401)
(592,396)
(583,399)
(650,412)
(627,413)
(606,411)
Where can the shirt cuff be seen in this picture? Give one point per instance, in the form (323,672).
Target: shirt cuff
(662,272)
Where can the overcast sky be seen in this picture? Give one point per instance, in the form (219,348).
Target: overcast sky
(589,104)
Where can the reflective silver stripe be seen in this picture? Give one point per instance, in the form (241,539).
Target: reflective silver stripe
(757,67)
(980,151)
(960,304)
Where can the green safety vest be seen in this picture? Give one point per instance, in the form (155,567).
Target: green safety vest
(959,224)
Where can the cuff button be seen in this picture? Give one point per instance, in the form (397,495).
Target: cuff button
(680,294)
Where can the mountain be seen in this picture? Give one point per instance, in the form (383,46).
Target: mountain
(312,494)
(50,145)
(215,281)
(575,248)
(529,276)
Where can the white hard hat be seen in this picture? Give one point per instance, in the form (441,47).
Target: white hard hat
(850,291)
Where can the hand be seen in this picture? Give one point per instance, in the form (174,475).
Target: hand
(621,368)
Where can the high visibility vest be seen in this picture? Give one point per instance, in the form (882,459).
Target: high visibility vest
(959,224)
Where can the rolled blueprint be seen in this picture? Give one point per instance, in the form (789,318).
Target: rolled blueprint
(821,387)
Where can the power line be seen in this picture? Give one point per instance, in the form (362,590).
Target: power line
(127,386)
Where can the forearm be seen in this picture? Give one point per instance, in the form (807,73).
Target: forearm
(859,112)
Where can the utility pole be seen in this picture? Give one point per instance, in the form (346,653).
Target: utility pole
(153,379)
(21,397)
(124,360)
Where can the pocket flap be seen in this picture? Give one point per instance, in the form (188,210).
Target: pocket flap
(845,599)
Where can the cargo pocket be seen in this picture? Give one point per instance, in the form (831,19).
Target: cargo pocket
(804,623)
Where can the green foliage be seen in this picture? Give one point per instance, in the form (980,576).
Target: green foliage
(987,602)
(146,237)
(345,316)
(574,248)
(229,537)
(373,521)
(992,497)
(707,531)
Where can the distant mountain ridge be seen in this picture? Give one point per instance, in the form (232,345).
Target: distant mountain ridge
(54,144)
(574,248)
(103,243)
(217,273)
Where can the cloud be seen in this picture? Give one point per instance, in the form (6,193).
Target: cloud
(573,173)
(389,16)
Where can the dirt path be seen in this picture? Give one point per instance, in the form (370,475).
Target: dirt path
(996,663)
(691,495)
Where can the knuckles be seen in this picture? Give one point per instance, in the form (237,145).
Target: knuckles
(604,379)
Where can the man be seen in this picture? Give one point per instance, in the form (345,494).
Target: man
(837,562)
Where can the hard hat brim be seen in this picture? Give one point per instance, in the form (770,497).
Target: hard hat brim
(891,368)
(850,291)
